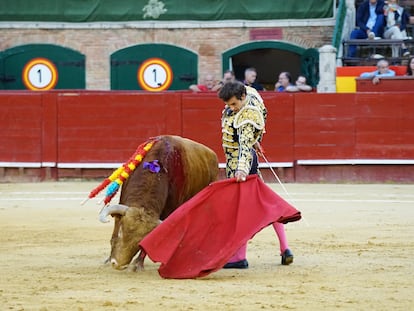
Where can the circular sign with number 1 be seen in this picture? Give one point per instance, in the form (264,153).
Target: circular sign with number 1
(155,75)
(40,74)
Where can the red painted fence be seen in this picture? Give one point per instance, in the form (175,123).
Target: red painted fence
(310,137)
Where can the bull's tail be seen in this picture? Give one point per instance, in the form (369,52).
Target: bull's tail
(117,178)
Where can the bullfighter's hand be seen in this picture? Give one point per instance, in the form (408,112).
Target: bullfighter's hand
(240,176)
(375,80)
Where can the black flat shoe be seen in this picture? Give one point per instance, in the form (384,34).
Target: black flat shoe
(241,264)
(287,257)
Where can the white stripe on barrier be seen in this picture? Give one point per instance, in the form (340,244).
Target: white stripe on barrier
(89,165)
(356,162)
(28,164)
(20,164)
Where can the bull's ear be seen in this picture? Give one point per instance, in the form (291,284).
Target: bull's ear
(118,209)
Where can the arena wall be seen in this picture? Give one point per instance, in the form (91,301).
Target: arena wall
(353,137)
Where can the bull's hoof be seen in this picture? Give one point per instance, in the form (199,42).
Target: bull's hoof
(135,267)
(132,268)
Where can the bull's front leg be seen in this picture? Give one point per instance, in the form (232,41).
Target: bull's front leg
(137,264)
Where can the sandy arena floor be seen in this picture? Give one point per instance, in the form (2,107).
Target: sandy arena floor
(353,250)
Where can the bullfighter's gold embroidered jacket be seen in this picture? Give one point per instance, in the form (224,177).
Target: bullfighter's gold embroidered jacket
(241,130)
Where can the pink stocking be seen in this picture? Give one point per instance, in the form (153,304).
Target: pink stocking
(240,254)
(281,234)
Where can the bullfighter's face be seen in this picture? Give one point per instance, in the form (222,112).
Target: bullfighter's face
(236,104)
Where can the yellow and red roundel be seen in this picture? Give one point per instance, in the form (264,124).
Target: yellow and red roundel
(40,74)
(155,75)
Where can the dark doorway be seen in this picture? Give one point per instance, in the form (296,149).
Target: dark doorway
(268,63)
(270,58)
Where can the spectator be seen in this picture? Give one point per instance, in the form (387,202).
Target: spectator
(208,85)
(370,22)
(250,76)
(383,70)
(410,67)
(228,76)
(284,82)
(300,85)
(396,19)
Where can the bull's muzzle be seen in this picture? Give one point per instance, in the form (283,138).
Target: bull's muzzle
(115,265)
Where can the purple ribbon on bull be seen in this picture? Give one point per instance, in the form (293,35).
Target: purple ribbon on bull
(152,166)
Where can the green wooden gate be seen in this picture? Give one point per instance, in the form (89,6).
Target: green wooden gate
(309,66)
(41,67)
(153,67)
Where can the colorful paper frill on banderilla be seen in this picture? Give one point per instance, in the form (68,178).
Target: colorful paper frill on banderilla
(118,177)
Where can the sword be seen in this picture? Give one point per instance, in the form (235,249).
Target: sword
(280,182)
(274,174)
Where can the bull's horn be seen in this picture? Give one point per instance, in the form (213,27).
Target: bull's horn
(119,209)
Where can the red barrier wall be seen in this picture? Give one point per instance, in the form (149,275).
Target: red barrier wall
(315,137)
(324,126)
(21,117)
(278,140)
(108,126)
(386,84)
(201,120)
(384,126)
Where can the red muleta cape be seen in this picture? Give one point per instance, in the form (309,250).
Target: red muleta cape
(203,233)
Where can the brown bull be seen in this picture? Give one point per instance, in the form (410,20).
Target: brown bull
(148,197)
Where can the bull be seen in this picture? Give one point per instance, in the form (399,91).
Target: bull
(184,167)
